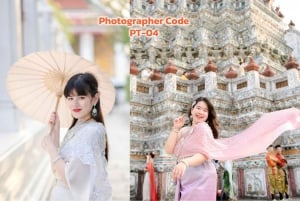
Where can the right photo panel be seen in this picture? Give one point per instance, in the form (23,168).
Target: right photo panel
(214,101)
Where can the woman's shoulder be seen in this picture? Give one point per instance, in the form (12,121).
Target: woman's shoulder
(95,125)
(94,128)
(203,126)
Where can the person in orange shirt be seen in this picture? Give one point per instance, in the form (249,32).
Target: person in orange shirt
(282,173)
(272,170)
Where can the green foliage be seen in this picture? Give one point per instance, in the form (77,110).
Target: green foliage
(226,182)
(62,20)
(123,35)
(127,88)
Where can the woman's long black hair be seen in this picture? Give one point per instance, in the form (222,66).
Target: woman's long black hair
(85,84)
(212,116)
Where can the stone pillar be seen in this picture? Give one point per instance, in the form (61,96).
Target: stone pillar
(46,31)
(170,82)
(293,78)
(121,72)
(253,80)
(9,51)
(267,183)
(161,186)
(133,84)
(30,27)
(86,46)
(241,183)
(291,180)
(210,81)
(139,194)
(121,64)
(292,38)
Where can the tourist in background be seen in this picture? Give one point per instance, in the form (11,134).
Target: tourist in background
(149,185)
(282,172)
(272,171)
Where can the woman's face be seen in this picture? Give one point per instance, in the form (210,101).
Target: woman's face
(200,112)
(81,106)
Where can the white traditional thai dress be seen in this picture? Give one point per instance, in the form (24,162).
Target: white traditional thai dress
(83,151)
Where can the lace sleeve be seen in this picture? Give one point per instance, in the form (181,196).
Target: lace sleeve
(90,144)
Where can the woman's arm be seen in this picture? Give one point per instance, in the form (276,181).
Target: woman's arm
(57,162)
(54,125)
(195,160)
(172,140)
(174,135)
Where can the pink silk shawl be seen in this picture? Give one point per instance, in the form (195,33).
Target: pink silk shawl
(254,140)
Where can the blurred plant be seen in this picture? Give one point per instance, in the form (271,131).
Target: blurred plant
(62,20)
(226,181)
(117,8)
(120,8)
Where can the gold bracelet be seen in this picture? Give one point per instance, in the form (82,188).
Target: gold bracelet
(184,162)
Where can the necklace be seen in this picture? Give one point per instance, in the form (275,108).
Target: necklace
(71,132)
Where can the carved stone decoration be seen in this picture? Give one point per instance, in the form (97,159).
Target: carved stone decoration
(291,64)
(231,73)
(150,1)
(192,75)
(255,183)
(210,67)
(268,72)
(170,68)
(297,179)
(156,75)
(291,24)
(252,66)
(134,70)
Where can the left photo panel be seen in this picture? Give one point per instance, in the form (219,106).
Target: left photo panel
(64,109)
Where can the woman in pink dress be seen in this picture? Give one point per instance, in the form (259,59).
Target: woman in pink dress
(196,145)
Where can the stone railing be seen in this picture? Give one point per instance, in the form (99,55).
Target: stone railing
(274,86)
(25,171)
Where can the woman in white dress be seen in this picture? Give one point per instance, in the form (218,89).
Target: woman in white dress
(79,163)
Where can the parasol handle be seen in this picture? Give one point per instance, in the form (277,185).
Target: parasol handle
(57,102)
(58,96)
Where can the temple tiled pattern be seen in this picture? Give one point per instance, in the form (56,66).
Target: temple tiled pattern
(236,54)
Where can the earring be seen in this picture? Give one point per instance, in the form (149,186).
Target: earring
(94,111)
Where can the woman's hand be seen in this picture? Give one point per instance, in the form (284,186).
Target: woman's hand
(179,170)
(54,125)
(178,122)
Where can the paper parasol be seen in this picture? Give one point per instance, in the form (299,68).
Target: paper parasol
(36,82)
